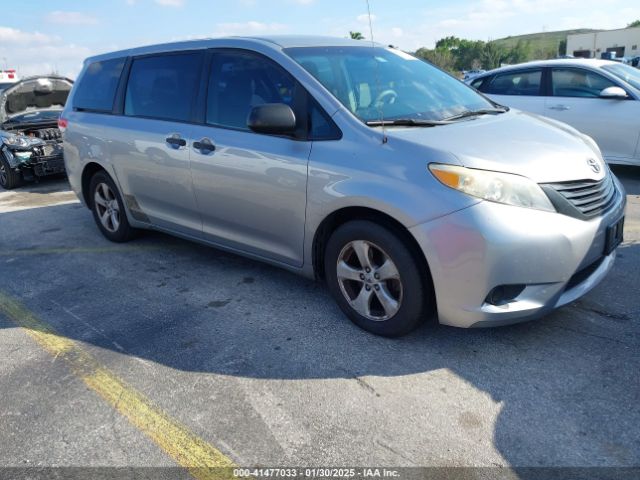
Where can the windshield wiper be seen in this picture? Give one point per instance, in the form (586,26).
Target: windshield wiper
(475,113)
(406,122)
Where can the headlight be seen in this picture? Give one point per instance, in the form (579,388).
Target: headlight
(493,186)
(21,141)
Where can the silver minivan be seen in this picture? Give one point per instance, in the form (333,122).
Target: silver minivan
(409,193)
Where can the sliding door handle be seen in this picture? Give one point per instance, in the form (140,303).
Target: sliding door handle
(176,141)
(204,146)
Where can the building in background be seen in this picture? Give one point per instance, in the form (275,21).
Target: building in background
(623,42)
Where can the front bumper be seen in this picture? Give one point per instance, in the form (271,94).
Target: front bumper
(42,161)
(555,257)
(49,165)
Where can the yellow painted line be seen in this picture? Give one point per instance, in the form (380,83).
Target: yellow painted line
(202,460)
(63,250)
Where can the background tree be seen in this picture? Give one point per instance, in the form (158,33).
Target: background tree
(543,53)
(469,54)
(449,43)
(518,54)
(634,24)
(562,47)
(356,35)
(455,54)
(440,57)
(493,55)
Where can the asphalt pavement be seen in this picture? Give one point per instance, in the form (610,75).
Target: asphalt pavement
(159,351)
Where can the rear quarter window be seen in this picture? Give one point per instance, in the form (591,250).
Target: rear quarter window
(96,89)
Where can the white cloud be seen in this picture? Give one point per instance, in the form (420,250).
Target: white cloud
(12,36)
(248,28)
(364,18)
(34,53)
(489,19)
(171,3)
(71,18)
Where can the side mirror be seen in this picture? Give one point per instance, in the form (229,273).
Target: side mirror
(613,92)
(272,118)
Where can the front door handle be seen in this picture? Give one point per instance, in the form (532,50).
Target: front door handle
(176,141)
(204,146)
(559,107)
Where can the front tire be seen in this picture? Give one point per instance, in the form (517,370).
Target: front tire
(108,209)
(9,178)
(375,278)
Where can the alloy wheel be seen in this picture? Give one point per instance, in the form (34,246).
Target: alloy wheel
(3,175)
(107,207)
(369,280)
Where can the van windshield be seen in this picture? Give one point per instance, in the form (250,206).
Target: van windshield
(374,80)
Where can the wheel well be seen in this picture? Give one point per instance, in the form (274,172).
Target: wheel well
(342,216)
(89,171)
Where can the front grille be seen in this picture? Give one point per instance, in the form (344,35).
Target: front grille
(48,150)
(588,197)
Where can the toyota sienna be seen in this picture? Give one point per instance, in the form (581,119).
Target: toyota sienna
(409,193)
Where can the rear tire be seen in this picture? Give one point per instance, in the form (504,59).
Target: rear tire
(9,178)
(108,209)
(376,279)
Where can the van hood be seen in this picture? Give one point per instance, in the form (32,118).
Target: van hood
(33,94)
(533,146)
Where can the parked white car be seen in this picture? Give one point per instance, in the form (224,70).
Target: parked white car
(598,97)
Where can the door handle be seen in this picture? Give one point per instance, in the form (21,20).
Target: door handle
(559,107)
(176,141)
(204,146)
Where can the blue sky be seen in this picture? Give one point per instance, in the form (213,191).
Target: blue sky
(38,36)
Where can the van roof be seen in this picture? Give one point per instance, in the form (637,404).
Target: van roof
(274,41)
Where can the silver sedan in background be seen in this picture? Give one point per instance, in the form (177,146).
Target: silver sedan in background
(600,98)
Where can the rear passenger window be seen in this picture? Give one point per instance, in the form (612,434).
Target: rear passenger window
(163,86)
(240,81)
(97,88)
(516,83)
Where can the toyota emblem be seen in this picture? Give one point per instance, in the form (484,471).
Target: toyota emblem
(594,164)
